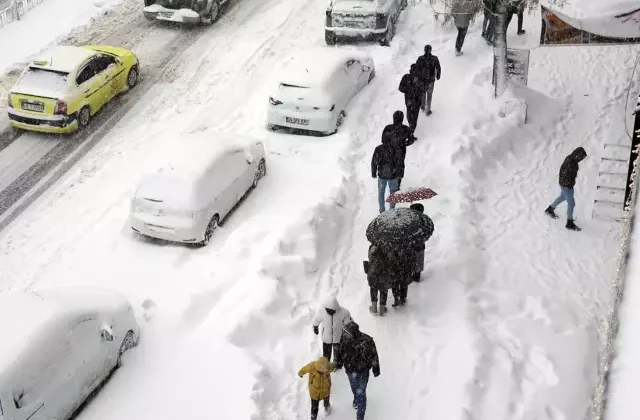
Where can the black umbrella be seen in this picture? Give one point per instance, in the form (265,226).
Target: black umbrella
(400,227)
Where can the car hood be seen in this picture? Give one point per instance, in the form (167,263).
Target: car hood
(36,91)
(355,7)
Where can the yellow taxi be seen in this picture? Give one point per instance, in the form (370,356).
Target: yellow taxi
(63,88)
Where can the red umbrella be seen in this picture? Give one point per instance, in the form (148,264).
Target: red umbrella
(411,194)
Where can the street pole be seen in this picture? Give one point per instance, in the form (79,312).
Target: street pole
(500,48)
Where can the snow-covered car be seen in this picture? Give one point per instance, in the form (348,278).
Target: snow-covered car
(203,181)
(184,11)
(316,87)
(365,19)
(57,347)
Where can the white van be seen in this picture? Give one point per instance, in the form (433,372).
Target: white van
(57,346)
(187,199)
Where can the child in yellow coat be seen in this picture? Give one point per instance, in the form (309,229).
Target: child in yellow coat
(319,384)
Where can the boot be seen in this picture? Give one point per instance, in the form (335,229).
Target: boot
(373,308)
(572,226)
(396,303)
(383,310)
(550,211)
(327,410)
(522,32)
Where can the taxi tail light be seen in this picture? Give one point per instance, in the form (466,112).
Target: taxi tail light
(61,108)
(10,103)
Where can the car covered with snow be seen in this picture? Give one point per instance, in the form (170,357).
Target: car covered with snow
(64,87)
(365,19)
(57,347)
(187,198)
(316,87)
(191,12)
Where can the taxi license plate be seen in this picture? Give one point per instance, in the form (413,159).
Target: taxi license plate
(296,121)
(30,106)
(167,15)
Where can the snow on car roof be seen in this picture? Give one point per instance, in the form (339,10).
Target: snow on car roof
(313,67)
(62,58)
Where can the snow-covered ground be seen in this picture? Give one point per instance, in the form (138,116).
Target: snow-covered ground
(506,323)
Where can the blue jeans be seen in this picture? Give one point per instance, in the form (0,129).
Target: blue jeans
(566,194)
(358,382)
(382,188)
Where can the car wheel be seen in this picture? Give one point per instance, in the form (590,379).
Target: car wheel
(340,119)
(261,172)
(213,224)
(132,77)
(388,36)
(128,343)
(215,12)
(330,37)
(372,75)
(84,116)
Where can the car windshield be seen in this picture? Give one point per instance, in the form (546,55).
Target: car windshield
(44,79)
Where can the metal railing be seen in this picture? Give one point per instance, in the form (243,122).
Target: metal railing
(15,10)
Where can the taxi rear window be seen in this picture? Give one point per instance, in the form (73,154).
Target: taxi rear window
(44,79)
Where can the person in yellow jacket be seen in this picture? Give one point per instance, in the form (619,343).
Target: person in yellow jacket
(319,373)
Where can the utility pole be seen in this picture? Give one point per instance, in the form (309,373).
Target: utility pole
(500,47)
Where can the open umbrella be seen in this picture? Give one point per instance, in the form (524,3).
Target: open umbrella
(411,194)
(399,227)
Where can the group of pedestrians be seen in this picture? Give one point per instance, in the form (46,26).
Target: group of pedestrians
(489,24)
(417,86)
(352,350)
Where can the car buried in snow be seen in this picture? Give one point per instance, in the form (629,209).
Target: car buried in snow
(191,12)
(58,346)
(316,88)
(362,19)
(62,89)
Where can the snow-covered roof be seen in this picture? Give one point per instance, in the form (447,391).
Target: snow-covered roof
(312,67)
(62,58)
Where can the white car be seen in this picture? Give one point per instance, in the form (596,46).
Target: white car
(316,88)
(188,198)
(184,11)
(57,346)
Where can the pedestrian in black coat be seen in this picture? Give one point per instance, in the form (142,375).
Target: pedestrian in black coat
(516,7)
(387,164)
(419,249)
(429,71)
(360,357)
(379,278)
(413,88)
(402,263)
(399,135)
(567,180)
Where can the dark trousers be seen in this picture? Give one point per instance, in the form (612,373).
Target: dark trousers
(520,20)
(337,354)
(375,292)
(462,33)
(491,28)
(358,382)
(315,404)
(400,292)
(413,110)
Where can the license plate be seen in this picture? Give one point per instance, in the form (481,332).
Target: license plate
(351,24)
(296,121)
(159,229)
(165,14)
(33,107)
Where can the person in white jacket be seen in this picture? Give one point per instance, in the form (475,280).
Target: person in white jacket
(333,318)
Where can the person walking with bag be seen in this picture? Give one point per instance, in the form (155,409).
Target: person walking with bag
(463,11)
(411,85)
(567,180)
(430,71)
(399,136)
(319,373)
(379,279)
(333,318)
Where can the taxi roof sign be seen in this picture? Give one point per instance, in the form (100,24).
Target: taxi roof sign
(40,62)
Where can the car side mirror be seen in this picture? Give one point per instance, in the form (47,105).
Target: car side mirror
(106,333)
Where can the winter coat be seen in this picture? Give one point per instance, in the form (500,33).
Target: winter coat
(359,353)
(428,68)
(319,378)
(387,161)
(402,263)
(516,6)
(397,134)
(412,86)
(569,168)
(379,275)
(463,11)
(332,324)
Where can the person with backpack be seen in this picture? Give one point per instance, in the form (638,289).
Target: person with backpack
(411,85)
(333,318)
(430,71)
(387,164)
(398,135)
(319,372)
(567,180)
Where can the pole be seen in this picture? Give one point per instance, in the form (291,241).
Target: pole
(500,48)
(633,156)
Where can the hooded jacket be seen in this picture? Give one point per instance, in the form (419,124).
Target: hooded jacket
(332,324)
(319,378)
(428,68)
(412,85)
(569,168)
(387,161)
(379,273)
(359,351)
(398,134)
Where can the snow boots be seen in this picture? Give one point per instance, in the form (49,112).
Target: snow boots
(458,53)
(374,309)
(572,226)
(550,211)
(522,32)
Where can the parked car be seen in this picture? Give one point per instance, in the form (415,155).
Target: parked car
(364,19)
(62,89)
(316,87)
(57,347)
(188,198)
(184,11)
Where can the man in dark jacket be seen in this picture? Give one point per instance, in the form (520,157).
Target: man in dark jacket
(567,180)
(413,88)
(360,357)
(419,249)
(379,279)
(399,135)
(401,263)
(429,70)
(387,164)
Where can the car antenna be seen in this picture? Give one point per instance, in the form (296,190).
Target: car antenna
(37,295)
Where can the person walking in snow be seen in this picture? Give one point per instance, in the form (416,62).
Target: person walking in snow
(490,9)
(419,267)
(319,373)
(567,180)
(379,279)
(429,70)
(402,263)
(360,357)
(333,318)
(398,135)
(463,11)
(516,7)
(411,85)
(387,164)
